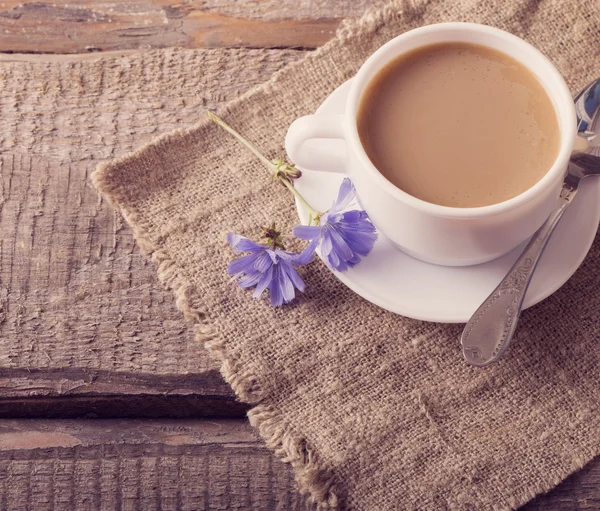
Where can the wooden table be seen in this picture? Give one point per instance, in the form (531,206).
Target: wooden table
(106,400)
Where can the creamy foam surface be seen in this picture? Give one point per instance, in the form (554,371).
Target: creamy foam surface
(459,125)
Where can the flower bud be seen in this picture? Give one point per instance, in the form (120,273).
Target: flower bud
(285,170)
(273,237)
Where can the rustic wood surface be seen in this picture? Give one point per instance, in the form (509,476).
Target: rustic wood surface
(130,465)
(176,465)
(92,25)
(85,329)
(82,314)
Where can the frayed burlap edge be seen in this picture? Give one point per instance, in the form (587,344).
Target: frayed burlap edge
(311,474)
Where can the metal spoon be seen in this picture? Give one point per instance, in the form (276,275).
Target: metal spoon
(490,330)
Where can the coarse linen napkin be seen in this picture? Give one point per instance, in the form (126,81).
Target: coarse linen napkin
(373,410)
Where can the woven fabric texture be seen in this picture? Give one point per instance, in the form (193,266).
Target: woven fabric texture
(374,411)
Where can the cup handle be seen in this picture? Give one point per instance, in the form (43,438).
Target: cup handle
(311,127)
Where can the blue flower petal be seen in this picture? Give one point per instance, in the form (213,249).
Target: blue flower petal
(243,264)
(326,245)
(346,195)
(336,263)
(333,260)
(233,238)
(250,280)
(360,244)
(359,236)
(307,255)
(358,228)
(282,254)
(264,282)
(331,217)
(340,247)
(354,216)
(354,261)
(345,236)
(293,275)
(287,288)
(243,244)
(263,262)
(307,232)
(266,268)
(275,288)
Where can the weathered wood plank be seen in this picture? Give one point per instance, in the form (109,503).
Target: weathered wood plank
(81,313)
(580,492)
(76,392)
(83,26)
(50,143)
(179,465)
(140,466)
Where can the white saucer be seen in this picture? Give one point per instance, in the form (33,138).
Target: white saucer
(399,283)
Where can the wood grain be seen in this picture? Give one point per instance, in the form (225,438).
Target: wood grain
(85,330)
(179,465)
(580,492)
(75,392)
(140,466)
(84,26)
(83,319)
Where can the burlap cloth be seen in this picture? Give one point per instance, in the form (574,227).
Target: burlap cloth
(373,410)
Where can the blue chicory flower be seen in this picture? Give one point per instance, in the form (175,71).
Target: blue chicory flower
(267,267)
(344,237)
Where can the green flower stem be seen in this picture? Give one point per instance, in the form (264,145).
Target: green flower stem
(313,214)
(273,168)
(220,122)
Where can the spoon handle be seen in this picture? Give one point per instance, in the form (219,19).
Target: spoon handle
(490,330)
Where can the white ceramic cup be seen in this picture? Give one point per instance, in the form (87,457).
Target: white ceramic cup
(440,234)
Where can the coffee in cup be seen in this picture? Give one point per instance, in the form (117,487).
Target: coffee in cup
(458,124)
(452,180)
